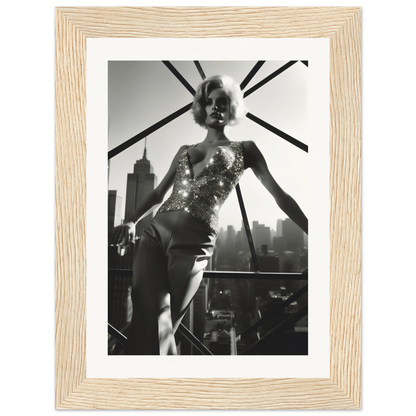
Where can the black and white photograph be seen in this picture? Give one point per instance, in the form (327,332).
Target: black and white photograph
(207,197)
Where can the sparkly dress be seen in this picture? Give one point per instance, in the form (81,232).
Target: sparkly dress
(202,195)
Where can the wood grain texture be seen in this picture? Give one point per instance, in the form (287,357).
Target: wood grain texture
(70,213)
(345,197)
(180,22)
(208,394)
(343,389)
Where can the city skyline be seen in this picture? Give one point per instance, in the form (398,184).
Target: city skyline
(223,228)
(143,180)
(232,250)
(223,225)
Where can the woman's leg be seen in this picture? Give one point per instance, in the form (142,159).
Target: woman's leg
(188,253)
(183,291)
(151,328)
(167,272)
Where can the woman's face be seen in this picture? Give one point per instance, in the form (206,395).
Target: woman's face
(217,108)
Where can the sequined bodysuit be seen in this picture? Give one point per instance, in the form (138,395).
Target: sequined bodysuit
(202,195)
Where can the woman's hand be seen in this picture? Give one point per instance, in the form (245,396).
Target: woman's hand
(123,234)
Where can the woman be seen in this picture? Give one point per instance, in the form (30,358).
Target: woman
(174,250)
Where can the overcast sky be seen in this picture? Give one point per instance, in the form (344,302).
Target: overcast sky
(142,93)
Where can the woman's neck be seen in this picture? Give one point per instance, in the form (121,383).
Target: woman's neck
(214,135)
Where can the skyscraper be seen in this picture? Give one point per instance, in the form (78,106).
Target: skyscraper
(279,228)
(114,211)
(261,235)
(139,184)
(230,245)
(293,235)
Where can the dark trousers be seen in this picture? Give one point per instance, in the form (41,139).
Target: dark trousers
(167,271)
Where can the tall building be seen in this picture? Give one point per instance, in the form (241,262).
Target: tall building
(200,303)
(279,228)
(114,210)
(139,185)
(261,235)
(230,245)
(293,235)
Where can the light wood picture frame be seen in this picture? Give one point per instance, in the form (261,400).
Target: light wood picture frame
(342,26)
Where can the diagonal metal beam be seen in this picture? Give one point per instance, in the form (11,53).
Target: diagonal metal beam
(148,131)
(273,314)
(200,70)
(175,72)
(116,334)
(176,114)
(280,328)
(251,74)
(280,133)
(183,330)
(269,78)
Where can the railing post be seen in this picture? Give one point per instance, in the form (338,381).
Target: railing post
(233,341)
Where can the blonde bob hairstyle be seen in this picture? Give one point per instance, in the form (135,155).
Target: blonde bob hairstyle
(237,107)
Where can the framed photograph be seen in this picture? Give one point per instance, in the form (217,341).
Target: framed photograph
(283,302)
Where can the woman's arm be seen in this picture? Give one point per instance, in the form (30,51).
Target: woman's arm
(124,233)
(254,159)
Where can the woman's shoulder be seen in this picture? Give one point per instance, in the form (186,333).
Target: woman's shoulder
(181,152)
(249,146)
(251,153)
(183,148)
